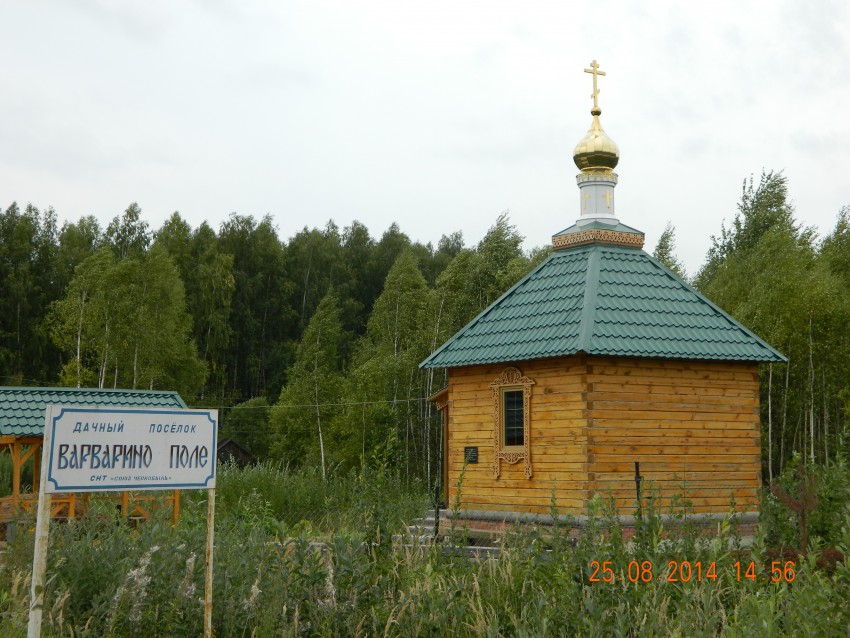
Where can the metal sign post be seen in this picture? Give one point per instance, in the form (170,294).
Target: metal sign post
(101,449)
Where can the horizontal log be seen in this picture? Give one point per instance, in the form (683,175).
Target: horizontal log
(573,507)
(456,460)
(662,415)
(678,377)
(511,502)
(649,424)
(483,399)
(741,475)
(461,413)
(624,505)
(670,388)
(669,402)
(677,466)
(603,432)
(570,430)
(646,362)
(525,486)
(672,449)
(510,484)
(698,464)
(724,496)
(556,367)
(635,445)
(541,464)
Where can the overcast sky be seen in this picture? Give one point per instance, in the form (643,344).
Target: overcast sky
(437,115)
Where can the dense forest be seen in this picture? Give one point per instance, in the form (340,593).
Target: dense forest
(310,346)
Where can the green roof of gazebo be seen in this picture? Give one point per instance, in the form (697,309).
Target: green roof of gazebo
(22,410)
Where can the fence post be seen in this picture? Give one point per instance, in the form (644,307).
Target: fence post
(638,479)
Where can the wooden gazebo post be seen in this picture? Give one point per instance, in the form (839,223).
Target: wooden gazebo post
(19,458)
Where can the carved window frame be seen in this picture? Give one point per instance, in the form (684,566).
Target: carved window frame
(511,379)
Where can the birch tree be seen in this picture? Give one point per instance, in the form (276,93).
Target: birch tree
(123,323)
(310,400)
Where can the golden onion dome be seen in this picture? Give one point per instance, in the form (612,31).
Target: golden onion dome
(596,152)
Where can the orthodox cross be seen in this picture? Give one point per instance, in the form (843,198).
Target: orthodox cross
(594,69)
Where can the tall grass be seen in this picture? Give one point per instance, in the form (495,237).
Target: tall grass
(372,504)
(106,578)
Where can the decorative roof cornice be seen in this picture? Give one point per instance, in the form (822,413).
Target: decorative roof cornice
(598,235)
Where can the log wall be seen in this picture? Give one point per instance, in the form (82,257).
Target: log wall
(558,434)
(692,426)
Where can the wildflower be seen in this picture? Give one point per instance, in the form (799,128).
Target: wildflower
(251,601)
(255,594)
(187,585)
(134,585)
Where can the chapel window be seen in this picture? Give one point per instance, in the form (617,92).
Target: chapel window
(512,409)
(512,413)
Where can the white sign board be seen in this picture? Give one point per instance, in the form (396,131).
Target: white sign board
(95,449)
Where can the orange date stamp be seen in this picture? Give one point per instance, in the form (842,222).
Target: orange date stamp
(690,571)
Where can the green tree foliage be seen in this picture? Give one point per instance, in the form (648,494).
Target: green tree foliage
(123,323)
(385,386)
(230,318)
(313,263)
(665,251)
(27,286)
(767,272)
(761,209)
(392,243)
(259,352)
(128,235)
(175,237)
(356,293)
(310,401)
(448,248)
(73,319)
(208,279)
(836,247)
(499,262)
(124,307)
(248,424)
(475,278)
(77,242)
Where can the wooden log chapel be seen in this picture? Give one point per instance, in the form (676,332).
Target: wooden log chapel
(599,359)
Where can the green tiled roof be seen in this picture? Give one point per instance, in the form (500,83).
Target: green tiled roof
(602,300)
(22,409)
